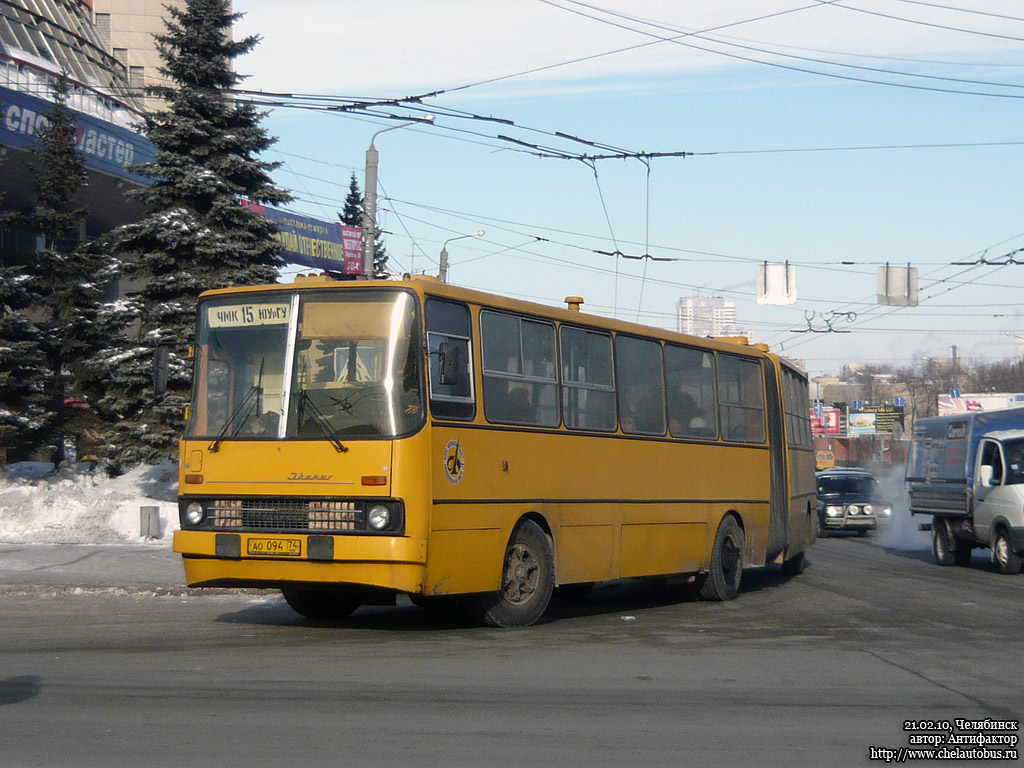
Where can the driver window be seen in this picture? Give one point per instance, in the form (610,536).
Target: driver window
(991,457)
(450,360)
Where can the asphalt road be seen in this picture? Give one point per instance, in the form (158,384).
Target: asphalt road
(813,670)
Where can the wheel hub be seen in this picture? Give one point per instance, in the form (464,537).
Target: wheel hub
(522,574)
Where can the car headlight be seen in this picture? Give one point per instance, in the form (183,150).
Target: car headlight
(195,513)
(868,509)
(854,509)
(378,517)
(887,511)
(833,511)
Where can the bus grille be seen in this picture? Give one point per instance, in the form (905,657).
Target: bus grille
(288,515)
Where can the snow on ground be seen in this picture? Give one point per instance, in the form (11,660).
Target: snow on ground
(84,506)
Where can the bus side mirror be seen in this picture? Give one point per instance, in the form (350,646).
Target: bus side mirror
(161,367)
(448,362)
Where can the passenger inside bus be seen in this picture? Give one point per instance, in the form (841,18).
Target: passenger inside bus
(641,412)
(686,417)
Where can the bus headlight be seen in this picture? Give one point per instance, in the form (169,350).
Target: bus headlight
(195,513)
(378,517)
(833,511)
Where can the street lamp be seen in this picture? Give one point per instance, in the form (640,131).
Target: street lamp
(370,195)
(443,273)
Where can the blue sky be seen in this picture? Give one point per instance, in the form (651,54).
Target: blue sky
(781,168)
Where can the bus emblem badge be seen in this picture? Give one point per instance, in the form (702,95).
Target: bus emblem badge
(454,462)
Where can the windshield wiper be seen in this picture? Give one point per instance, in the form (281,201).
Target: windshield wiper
(252,398)
(306,404)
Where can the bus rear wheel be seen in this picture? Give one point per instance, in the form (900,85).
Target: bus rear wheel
(722,582)
(527,580)
(321,604)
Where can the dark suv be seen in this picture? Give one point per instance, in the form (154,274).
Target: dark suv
(848,500)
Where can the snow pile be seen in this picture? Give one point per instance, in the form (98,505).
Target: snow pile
(83,506)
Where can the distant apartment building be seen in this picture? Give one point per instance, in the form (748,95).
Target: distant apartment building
(707,316)
(127,27)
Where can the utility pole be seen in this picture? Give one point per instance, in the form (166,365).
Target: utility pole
(370,196)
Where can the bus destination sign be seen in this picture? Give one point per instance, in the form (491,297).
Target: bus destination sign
(241,315)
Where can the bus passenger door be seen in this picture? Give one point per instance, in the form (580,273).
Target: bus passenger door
(778,531)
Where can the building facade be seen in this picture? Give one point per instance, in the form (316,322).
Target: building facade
(106,65)
(127,28)
(40,42)
(707,316)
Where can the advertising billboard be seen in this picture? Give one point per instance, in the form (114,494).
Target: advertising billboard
(980,401)
(876,419)
(828,423)
(309,242)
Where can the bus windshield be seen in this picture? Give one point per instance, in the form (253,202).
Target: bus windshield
(320,366)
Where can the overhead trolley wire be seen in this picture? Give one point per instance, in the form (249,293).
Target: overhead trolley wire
(678,40)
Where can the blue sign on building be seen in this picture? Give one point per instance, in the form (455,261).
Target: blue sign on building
(104,146)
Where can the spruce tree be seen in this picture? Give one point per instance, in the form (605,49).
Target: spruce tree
(197,235)
(61,281)
(352,216)
(23,370)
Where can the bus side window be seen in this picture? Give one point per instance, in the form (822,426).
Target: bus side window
(518,370)
(588,391)
(641,386)
(797,406)
(451,362)
(690,374)
(741,399)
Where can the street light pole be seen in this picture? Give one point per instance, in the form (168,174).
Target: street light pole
(442,274)
(370,195)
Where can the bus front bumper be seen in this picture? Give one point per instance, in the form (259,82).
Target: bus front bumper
(214,559)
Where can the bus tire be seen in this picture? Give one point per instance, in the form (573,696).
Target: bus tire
(1007,561)
(942,542)
(722,581)
(527,580)
(320,604)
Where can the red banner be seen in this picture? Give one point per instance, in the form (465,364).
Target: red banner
(827,423)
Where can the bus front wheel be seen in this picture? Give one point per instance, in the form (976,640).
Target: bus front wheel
(527,580)
(722,582)
(319,604)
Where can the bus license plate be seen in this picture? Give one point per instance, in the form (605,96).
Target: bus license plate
(275,547)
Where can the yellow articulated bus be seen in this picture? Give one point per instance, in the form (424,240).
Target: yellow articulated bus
(349,442)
